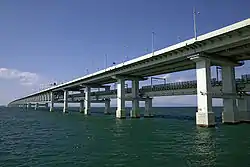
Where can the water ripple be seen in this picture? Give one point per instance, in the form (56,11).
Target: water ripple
(54,139)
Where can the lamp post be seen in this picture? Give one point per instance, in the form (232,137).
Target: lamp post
(153,35)
(194,19)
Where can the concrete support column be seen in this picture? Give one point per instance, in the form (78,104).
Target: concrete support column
(24,106)
(148,108)
(65,101)
(28,106)
(46,105)
(87,101)
(36,106)
(107,107)
(46,97)
(81,109)
(120,112)
(244,109)
(135,112)
(230,112)
(247,118)
(204,115)
(81,106)
(51,102)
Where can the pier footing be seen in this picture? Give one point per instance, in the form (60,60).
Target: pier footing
(205,119)
(135,113)
(231,117)
(121,114)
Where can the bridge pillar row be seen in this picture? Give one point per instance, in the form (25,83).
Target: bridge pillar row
(244,109)
(87,100)
(204,116)
(120,111)
(148,108)
(230,114)
(135,111)
(52,98)
(36,106)
(65,101)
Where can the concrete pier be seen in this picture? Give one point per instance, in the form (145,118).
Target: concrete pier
(230,112)
(36,106)
(28,106)
(120,112)
(107,103)
(87,101)
(81,109)
(24,106)
(247,116)
(107,107)
(46,105)
(135,111)
(65,101)
(243,105)
(52,98)
(204,115)
(148,108)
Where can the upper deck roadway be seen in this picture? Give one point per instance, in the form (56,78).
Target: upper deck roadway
(230,44)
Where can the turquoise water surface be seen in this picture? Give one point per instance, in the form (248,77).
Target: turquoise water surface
(44,139)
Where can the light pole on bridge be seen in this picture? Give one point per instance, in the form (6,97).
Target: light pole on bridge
(106,61)
(153,38)
(194,19)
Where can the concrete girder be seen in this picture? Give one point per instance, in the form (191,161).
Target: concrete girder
(216,59)
(95,86)
(129,77)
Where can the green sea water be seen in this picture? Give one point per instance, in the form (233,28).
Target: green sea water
(44,139)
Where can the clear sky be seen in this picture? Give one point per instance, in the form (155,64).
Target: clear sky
(57,40)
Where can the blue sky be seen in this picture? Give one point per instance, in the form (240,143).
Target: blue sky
(57,40)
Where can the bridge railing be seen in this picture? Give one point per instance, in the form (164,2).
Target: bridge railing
(240,84)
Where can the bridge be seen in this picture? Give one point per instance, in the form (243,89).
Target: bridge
(227,47)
